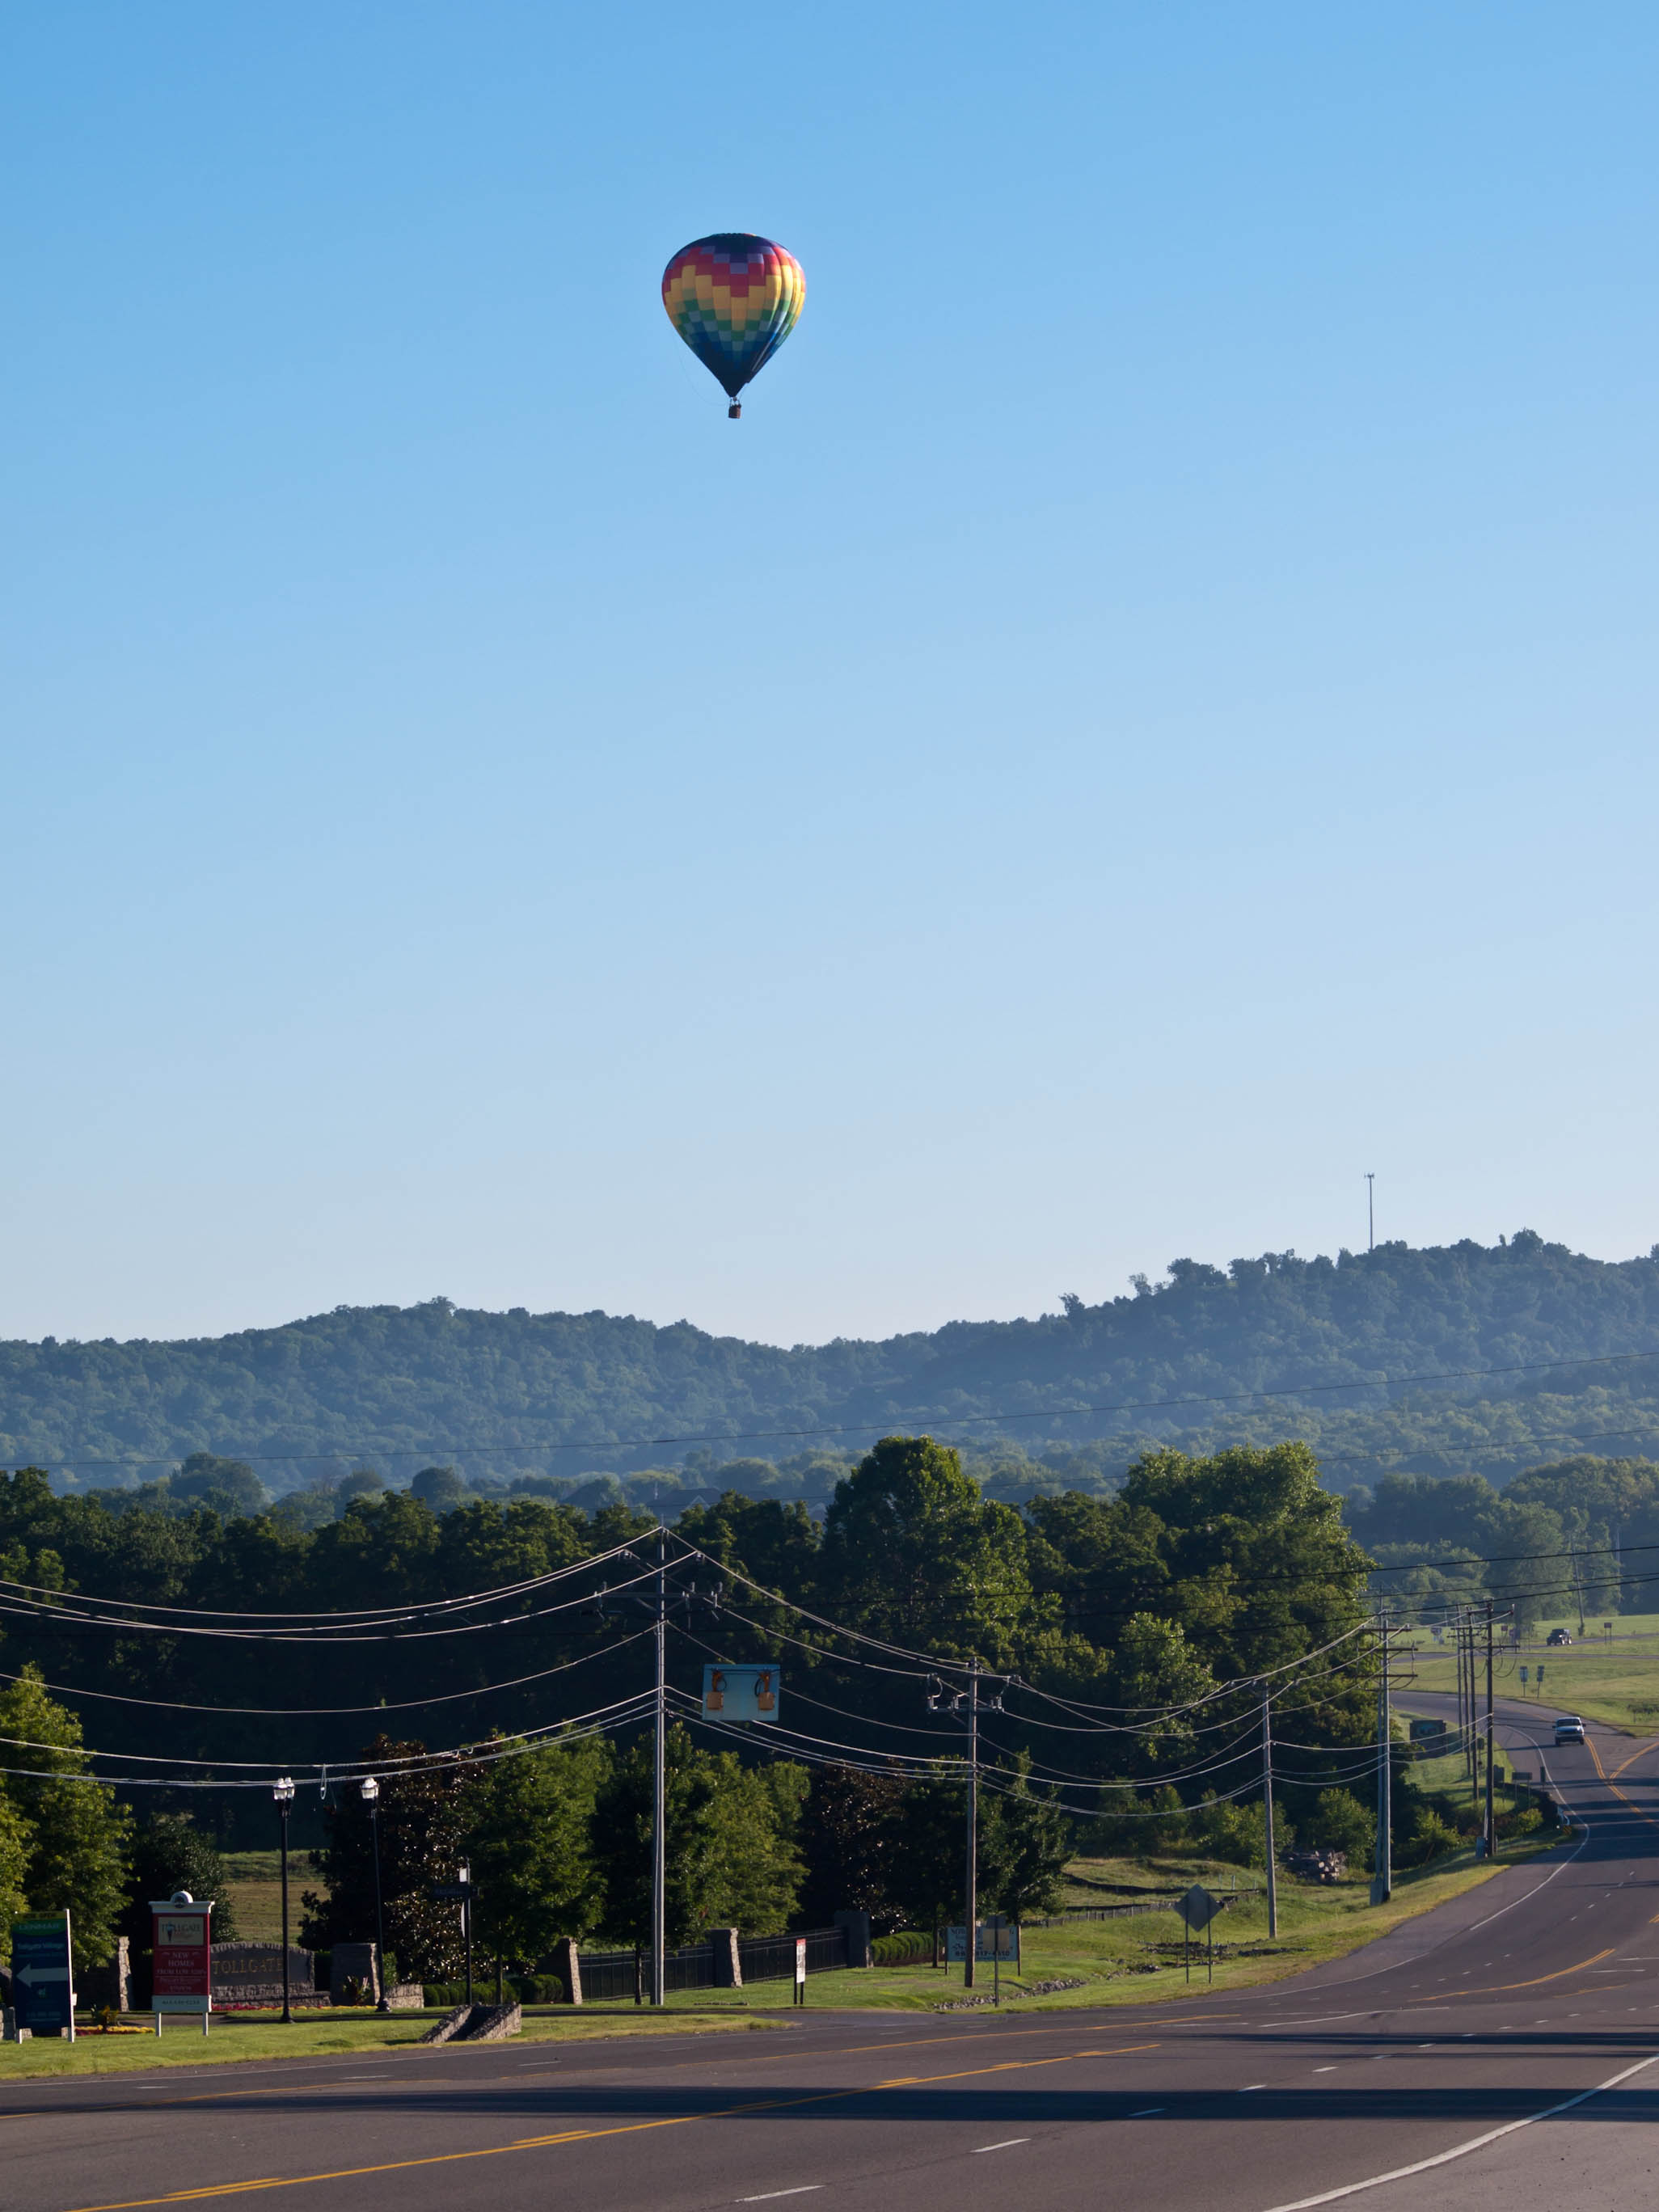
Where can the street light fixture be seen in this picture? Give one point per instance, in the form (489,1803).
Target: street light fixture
(370,1791)
(282,1792)
(464,1872)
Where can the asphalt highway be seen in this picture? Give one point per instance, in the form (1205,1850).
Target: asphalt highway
(1501,2052)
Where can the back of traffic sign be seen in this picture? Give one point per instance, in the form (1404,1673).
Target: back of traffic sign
(1198,1908)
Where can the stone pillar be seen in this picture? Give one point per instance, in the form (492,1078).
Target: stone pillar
(728,1960)
(857,1925)
(353,1962)
(567,1966)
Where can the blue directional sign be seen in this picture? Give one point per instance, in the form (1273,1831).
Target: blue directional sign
(42,1982)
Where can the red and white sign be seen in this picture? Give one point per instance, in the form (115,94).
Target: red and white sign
(182,1957)
(801,1962)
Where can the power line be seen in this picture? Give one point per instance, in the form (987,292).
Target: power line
(328,1712)
(414,1609)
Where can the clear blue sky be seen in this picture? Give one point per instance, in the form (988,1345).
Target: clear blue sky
(1149,715)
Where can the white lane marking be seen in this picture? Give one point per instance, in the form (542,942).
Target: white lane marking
(766,2196)
(1462,2151)
(1315,2019)
(1009,2145)
(1317,2069)
(1248,2085)
(1346,1980)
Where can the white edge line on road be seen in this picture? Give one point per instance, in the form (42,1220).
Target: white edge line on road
(805,2189)
(1462,2151)
(1009,2145)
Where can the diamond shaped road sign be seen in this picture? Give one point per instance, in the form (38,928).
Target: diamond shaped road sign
(1198,1908)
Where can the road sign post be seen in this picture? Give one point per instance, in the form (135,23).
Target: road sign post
(1198,1909)
(996,1925)
(43,1975)
(800,1970)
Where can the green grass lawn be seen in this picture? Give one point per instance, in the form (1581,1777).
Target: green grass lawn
(1139,1960)
(1136,1960)
(253,1887)
(1615,1682)
(236,2037)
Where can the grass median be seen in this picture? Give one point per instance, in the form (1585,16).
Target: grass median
(237,2037)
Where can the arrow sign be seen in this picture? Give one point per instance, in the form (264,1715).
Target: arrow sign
(42,1989)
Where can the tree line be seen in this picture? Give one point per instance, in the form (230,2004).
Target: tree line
(1196,1573)
(541,1396)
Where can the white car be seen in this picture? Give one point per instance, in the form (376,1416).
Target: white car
(1569,1728)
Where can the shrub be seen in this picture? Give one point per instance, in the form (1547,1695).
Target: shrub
(1238,1833)
(1432,1835)
(905,1948)
(1340,1822)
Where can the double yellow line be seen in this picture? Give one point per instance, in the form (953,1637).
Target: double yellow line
(1611,1780)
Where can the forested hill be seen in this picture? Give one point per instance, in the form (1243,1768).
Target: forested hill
(516,1394)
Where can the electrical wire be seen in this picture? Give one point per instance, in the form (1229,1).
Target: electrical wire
(59,1616)
(637,1708)
(414,1609)
(327,1712)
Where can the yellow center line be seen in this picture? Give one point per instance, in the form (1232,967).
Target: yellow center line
(1497,1989)
(704,2058)
(1613,1784)
(588,2135)
(1010,2066)
(1634,1755)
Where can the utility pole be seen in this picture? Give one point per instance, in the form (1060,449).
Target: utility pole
(1492,1818)
(283,1793)
(1370,1211)
(1267,1807)
(659,1803)
(1382,1879)
(972,1944)
(1458,1636)
(370,1791)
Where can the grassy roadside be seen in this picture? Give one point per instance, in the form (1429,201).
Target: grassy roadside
(1138,1960)
(1115,1962)
(237,2037)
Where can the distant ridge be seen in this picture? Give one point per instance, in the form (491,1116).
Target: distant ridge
(517,1394)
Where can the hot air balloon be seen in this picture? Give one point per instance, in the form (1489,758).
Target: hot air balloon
(734,299)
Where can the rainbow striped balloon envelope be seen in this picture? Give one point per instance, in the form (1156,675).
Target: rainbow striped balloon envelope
(734,299)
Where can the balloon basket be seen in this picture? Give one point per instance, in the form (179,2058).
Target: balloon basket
(734,410)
